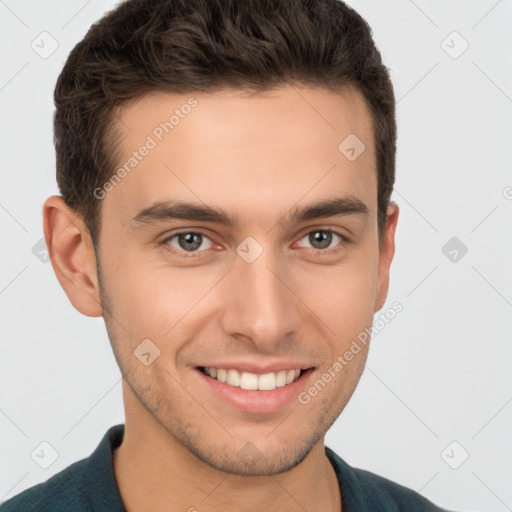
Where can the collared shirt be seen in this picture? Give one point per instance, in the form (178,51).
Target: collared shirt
(89,485)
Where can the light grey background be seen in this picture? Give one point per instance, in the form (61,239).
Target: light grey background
(438,373)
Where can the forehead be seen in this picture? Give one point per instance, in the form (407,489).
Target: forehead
(242,151)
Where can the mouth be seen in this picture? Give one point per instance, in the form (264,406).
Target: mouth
(254,392)
(253,381)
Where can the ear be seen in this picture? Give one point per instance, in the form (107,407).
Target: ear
(386,253)
(72,255)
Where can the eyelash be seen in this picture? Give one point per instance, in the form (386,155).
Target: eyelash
(184,254)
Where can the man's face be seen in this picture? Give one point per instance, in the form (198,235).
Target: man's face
(266,293)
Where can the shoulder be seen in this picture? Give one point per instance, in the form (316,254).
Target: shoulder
(403,498)
(363,490)
(86,485)
(61,492)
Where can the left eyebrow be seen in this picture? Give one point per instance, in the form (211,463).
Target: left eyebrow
(347,205)
(165,210)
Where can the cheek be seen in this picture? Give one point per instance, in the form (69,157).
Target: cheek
(342,295)
(139,297)
(152,300)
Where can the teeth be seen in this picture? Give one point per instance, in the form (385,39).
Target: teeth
(252,381)
(267,381)
(290,375)
(233,378)
(281,379)
(248,380)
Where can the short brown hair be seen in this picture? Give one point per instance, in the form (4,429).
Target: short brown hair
(183,46)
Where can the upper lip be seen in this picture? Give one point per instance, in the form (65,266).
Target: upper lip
(252,367)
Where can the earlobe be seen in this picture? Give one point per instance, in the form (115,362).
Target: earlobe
(386,253)
(72,255)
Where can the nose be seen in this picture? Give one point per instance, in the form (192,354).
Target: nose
(261,303)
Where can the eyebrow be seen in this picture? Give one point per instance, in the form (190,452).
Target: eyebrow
(166,210)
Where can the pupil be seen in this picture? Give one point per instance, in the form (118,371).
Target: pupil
(190,238)
(324,239)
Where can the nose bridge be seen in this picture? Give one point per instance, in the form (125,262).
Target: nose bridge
(261,305)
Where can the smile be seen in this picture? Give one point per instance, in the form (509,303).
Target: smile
(252,381)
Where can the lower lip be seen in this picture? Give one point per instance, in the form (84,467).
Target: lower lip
(256,401)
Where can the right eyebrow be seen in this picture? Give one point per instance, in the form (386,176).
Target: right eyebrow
(165,210)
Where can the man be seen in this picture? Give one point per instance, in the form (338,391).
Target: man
(226,170)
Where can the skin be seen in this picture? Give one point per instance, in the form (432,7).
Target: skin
(239,152)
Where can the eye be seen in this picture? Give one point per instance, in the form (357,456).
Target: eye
(189,244)
(186,242)
(321,239)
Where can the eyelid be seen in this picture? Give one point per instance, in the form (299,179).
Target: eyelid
(200,231)
(185,254)
(338,230)
(344,240)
